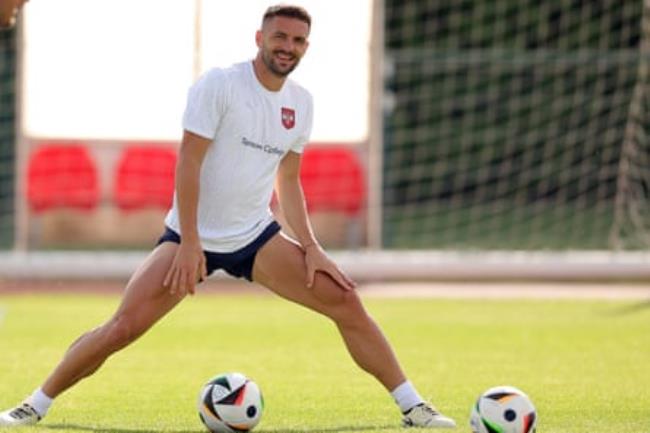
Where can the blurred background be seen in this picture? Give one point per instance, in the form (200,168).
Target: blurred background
(452,139)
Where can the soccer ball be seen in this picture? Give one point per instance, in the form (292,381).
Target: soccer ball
(503,409)
(230,403)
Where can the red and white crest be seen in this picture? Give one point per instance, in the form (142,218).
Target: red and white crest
(288,117)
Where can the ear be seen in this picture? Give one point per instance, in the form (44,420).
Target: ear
(258,38)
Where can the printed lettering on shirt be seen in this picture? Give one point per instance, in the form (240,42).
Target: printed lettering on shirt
(273,150)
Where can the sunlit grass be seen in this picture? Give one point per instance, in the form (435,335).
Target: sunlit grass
(585,364)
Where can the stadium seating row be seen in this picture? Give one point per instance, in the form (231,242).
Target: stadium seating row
(65,176)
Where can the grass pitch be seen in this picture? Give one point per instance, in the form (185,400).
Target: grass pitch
(585,364)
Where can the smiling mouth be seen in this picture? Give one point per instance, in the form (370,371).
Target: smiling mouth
(283,56)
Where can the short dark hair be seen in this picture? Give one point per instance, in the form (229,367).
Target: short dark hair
(289,11)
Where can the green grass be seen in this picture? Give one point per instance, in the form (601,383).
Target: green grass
(585,364)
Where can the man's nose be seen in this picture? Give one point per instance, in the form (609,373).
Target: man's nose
(288,45)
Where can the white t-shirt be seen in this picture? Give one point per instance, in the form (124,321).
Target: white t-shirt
(251,129)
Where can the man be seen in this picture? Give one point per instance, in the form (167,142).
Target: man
(244,128)
(9,11)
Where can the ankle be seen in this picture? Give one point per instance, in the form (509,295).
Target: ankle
(40,401)
(406,396)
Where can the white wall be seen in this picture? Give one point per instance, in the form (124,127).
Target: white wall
(120,69)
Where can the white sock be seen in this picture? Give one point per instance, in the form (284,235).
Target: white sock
(406,396)
(40,402)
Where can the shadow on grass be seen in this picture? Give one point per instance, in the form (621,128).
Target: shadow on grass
(98,429)
(631,309)
(341,429)
(358,428)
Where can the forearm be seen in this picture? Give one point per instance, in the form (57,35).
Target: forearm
(292,202)
(187,196)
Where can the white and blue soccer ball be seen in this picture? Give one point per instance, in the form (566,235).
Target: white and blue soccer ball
(230,403)
(503,409)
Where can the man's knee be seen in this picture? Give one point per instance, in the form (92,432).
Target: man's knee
(342,306)
(119,332)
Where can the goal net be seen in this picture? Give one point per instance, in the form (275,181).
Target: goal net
(516,125)
(7,135)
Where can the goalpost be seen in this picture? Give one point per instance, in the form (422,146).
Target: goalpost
(507,140)
(513,140)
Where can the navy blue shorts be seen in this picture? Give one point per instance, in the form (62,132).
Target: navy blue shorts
(238,263)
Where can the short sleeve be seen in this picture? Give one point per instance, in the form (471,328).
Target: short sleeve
(302,140)
(205,104)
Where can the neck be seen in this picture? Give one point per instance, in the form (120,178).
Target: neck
(269,80)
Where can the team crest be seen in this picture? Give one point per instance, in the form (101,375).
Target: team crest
(288,117)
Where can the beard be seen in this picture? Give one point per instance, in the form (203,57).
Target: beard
(270,62)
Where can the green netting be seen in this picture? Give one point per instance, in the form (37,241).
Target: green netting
(516,124)
(7,135)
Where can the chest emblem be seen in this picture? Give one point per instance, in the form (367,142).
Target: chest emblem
(288,117)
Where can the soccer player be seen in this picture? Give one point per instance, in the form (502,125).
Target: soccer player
(245,128)
(8,12)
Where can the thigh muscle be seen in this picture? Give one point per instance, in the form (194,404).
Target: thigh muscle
(280,266)
(146,300)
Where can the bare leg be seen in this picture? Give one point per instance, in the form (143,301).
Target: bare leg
(145,301)
(280,266)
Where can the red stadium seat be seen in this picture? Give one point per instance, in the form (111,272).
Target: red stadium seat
(61,175)
(145,177)
(332,179)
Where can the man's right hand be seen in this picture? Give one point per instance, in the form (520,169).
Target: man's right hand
(186,270)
